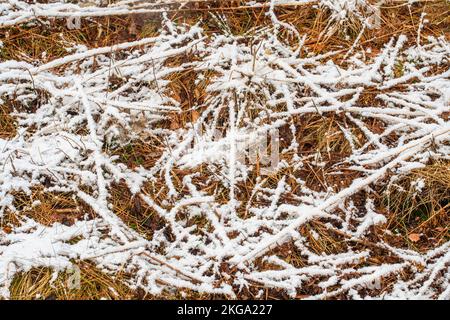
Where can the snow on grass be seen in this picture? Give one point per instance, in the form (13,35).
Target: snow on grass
(253,85)
(18,11)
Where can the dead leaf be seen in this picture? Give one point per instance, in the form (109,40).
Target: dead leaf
(414,237)
(7,229)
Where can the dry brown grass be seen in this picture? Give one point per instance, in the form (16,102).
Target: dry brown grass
(94,284)
(321,36)
(7,123)
(135,212)
(143,152)
(47,208)
(426,212)
(43,43)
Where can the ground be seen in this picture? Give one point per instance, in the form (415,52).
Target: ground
(225,149)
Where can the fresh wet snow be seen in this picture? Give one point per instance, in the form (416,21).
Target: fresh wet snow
(253,86)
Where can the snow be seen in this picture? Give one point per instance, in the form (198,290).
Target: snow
(274,84)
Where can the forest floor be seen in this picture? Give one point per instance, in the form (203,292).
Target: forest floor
(225,149)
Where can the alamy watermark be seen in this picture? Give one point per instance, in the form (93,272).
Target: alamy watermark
(259,147)
(73,281)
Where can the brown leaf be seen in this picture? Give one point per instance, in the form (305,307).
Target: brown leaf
(7,229)
(414,237)
(445,115)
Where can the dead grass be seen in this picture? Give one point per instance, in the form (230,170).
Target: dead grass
(396,18)
(409,212)
(48,208)
(135,212)
(93,285)
(7,123)
(419,204)
(44,43)
(321,36)
(144,152)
